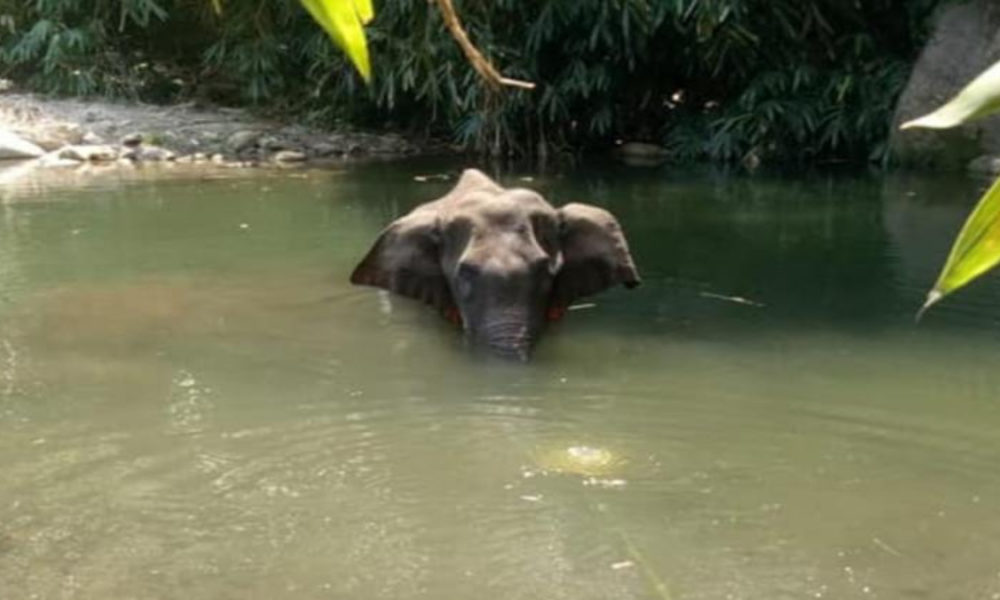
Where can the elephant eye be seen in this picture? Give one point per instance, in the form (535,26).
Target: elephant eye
(545,232)
(465,278)
(459,223)
(539,264)
(468,271)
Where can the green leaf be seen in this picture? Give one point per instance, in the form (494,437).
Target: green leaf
(978,99)
(976,250)
(343,20)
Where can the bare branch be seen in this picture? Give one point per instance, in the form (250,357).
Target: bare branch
(482,66)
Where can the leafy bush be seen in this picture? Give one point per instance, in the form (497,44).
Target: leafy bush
(719,79)
(79,46)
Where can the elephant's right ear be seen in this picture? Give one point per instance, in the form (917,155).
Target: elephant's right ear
(406,259)
(595,255)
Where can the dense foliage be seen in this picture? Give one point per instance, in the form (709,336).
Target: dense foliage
(722,79)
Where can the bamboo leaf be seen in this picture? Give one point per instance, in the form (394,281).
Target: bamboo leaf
(366,12)
(978,99)
(343,20)
(976,250)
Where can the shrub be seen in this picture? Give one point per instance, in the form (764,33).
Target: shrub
(784,80)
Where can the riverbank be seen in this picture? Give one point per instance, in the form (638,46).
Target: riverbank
(73,132)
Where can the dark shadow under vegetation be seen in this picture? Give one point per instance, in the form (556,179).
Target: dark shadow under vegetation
(774,80)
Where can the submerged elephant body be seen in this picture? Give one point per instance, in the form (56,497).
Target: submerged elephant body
(499,261)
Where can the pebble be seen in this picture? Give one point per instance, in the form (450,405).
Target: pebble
(289,156)
(92,139)
(94,153)
(131,140)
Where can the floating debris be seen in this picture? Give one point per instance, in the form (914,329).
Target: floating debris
(605,483)
(736,299)
(432,177)
(886,547)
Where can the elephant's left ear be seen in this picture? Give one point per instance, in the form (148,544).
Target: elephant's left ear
(595,255)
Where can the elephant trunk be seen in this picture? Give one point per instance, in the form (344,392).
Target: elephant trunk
(509,338)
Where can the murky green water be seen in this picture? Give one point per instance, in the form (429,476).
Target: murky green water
(194,404)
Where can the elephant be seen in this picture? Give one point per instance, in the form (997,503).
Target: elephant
(499,262)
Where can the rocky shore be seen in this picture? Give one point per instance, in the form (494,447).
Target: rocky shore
(71,133)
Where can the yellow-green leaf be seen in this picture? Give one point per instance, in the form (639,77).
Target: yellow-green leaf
(976,250)
(343,20)
(365,10)
(978,99)
(217,5)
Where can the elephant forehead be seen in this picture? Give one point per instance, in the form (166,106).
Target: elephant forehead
(503,253)
(506,210)
(513,242)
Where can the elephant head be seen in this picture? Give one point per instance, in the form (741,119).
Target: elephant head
(500,262)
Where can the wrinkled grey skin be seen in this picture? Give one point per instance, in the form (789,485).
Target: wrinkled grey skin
(500,261)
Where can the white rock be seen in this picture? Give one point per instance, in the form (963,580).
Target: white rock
(95,153)
(13,146)
(54,160)
(154,153)
(92,139)
(54,136)
(289,156)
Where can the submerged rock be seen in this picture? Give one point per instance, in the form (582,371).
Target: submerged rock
(989,164)
(13,146)
(641,154)
(642,149)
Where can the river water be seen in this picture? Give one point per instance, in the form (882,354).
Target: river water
(195,404)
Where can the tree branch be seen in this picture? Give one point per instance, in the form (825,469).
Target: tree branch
(482,66)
